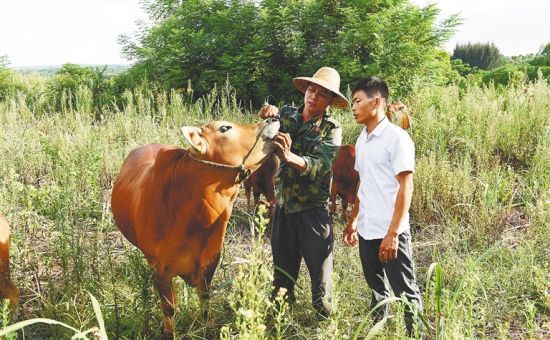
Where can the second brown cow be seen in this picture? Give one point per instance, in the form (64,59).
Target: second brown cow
(262,182)
(344,180)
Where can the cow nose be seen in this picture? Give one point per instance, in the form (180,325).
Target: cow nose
(272,119)
(271,128)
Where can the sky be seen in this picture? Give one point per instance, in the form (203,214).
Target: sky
(514,26)
(54,32)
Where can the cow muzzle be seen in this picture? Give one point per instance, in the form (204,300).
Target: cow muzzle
(270,128)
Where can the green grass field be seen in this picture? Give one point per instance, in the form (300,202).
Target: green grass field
(480,223)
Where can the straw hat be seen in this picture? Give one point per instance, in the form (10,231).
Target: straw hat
(328,78)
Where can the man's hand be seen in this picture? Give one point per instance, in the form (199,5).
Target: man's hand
(388,248)
(350,235)
(282,143)
(268,111)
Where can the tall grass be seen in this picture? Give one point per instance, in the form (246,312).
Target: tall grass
(480,210)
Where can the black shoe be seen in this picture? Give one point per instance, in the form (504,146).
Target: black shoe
(323,313)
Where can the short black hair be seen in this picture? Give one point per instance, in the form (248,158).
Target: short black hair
(372,85)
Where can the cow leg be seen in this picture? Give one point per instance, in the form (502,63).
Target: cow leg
(332,200)
(9,291)
(271,199)
(203,281)
(247,190)
(272,205)
(207,274)
(345,210)
(256,198)
(187,280)
(163,284)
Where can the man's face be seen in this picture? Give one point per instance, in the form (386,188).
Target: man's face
(364,107)
(317,99)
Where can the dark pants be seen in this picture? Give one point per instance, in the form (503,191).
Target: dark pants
(305,235)
(400,274)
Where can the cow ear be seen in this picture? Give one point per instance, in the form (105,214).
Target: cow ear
(192,134)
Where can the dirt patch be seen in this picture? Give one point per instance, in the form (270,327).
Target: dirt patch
(516,224)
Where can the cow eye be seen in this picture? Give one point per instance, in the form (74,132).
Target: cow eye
(225,128)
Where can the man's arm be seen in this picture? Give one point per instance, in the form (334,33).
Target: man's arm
(390,243)
(350,232)
(319,161)
(282,142)
(316,163)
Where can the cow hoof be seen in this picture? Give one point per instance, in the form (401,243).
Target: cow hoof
(168,328)
(168,336)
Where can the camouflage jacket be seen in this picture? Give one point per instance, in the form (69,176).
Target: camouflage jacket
(317,141)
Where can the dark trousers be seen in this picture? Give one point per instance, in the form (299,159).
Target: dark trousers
(306,235)
(399,272)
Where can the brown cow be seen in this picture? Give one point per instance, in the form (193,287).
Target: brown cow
(7,289)
(399,111)
(344,179)
(262,182)
(174,204)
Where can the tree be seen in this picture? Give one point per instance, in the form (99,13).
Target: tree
(65,84)
(8,85)
(482,55)
(4,61)
(259,46)
(542,58)
(521,68)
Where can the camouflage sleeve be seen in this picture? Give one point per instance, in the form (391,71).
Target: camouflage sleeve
(319,162)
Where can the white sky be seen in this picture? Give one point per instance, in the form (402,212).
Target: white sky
(515,26)
(53,32)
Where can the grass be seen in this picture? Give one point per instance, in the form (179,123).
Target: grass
(480,212)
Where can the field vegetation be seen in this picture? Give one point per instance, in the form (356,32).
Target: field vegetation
(480,218)
(480,211)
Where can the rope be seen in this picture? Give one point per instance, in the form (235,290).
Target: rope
(244,172)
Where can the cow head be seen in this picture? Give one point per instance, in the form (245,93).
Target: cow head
(399,111)
(230,143)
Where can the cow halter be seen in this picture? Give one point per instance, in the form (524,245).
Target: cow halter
(243,171)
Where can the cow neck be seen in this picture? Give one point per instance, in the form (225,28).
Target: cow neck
(242,171)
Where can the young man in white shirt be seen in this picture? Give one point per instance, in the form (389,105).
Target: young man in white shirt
(380,217)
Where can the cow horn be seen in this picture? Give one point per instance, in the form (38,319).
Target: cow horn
(192,134)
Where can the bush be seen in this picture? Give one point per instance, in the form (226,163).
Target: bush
(8,81)
(72,81)
(515,74)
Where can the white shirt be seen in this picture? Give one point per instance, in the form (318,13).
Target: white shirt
(379,157)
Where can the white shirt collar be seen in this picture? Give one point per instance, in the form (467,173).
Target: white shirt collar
(378,129)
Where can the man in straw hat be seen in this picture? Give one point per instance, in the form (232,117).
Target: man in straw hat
(307,145)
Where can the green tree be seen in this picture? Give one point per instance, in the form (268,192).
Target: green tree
(521,68)
(542,58)
(5,74)
(481,55)
(63,87)
(8,82)
(4,61)
(260,45)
